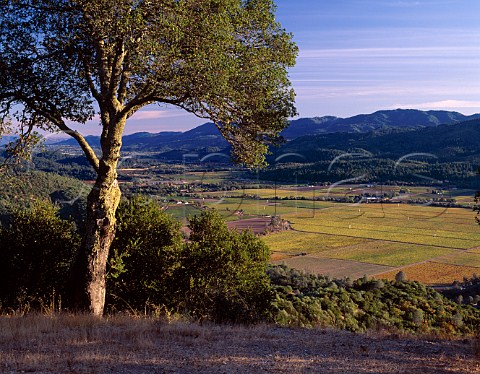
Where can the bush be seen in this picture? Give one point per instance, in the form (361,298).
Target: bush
(315,300)
(37,250)
(400,276)
(223,273)
(217,274)
(143,257)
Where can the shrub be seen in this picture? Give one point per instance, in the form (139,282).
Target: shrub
(315,300)
(223,272)
(400,276)
(217,274)
(143,256)
(37,250)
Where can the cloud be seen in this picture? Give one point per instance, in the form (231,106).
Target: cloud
(390,52)
(145,115)
(443,104)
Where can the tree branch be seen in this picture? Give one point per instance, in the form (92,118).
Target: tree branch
(102,61)
(87,150)
(88,77)
(123,85)
(58,121)
(117,71)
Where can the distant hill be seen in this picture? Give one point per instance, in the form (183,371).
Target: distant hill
(457,142)
(203,136)
(207,135)
(451,146)
(381,120)
(445,154)
(20,190)
(6,139)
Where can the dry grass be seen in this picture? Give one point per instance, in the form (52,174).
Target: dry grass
(277,256)
(125,344)
(432,273)
(333,267)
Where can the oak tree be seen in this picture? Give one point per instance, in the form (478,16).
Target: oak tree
(65,61)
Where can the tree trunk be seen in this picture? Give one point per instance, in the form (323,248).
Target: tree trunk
(100,231)
(102,205)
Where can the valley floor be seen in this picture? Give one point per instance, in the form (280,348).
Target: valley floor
(123,344)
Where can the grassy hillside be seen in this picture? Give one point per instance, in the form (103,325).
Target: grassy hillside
(84,344)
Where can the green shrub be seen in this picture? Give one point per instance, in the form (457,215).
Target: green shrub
(315,300)
(143,257)
(223,273)
(217,274)
(37,250)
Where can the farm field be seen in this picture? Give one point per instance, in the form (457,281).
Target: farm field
(301,192)
(388,235)
(432,273)
(249,208)
(334,268)
(352,240)
(257,225)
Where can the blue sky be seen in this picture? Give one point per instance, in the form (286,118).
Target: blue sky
(359,56)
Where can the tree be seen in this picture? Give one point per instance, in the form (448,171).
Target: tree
(476,208)
(63,61)
(400,276)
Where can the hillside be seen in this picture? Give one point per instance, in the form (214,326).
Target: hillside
(445,154)
(207,135)
(19,190)
(121,344)
(6,139)
(457,142)
(380,120)
(450,151)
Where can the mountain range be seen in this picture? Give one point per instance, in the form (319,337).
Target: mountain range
(6,139)
(381,120)
(441,146)
(207,135)
(453,143)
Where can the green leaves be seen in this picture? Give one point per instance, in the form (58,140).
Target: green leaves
(37,251)
(223,272)
(143,255)
(64,60)
(216,274)
(225,60)
(309,300)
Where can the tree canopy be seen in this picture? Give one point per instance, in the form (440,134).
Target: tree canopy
(62,61)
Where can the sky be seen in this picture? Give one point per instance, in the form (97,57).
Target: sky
(360,56)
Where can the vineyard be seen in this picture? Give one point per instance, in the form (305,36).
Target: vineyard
(430,243)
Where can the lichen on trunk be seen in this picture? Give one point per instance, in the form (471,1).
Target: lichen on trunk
(65,61)
(102,205)
(100,231)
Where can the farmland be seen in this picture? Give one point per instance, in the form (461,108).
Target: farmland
(344,230)
(432,273)
(430,243)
